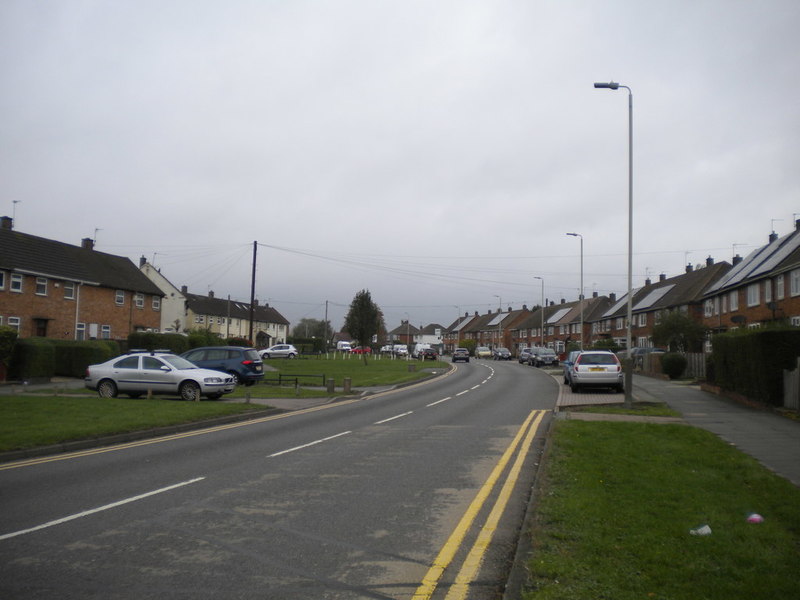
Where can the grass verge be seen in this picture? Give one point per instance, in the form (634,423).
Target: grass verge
(29,421)
(616,503)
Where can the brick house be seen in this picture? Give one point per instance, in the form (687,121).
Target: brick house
(761,288)
(57,290)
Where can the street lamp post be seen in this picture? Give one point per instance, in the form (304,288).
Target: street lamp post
(541,331)
(581,293)
(628,358)
(500,323)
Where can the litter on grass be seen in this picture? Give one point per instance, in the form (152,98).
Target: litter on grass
(702,530)
(755,518)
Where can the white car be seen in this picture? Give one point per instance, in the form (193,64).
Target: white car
(596,369)
(279,351)
(140,372)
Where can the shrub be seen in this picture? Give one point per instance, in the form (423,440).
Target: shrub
(237,341)
(673,364)
(33,359)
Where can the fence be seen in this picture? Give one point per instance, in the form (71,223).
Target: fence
(293,379)
(791,387)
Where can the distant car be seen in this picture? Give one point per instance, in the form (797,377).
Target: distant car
(138,373)
(429,354)
(543,357)
(596,368)
(524,355)
(501,354)
(400,350)
(568,362)
(638,354)
(243,364)
(460,354)
(280,351)
(361,350)
(483,352)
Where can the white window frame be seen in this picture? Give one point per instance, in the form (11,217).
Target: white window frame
(767,290)
(794,282)
(156,302)
(643,320)
(119,297)
(105,332)
(795,321)
(2,280)
(779,290)
(734,300)
(80,331)
(15,323)
(69,290)
(16,283)
(708,308)
(753,294)
(138,300)
(41,286)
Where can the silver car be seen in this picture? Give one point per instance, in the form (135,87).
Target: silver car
(139,372)
(596,369)
(279,351)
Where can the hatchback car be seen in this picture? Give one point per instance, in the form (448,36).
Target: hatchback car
(281,351)
(524,355)
(140,372)
(596,369)
(483,352)
(361,350)
(543,357)
(501,354)
(460,354)
(568,362)
(243,364)
(428,354)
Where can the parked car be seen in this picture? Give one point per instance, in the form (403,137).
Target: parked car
(523,355)
(243,364)
(343,346)
(429,354)
(419,349)
(501,354)
(140,372)
(400,350)
(361,350)
(541,357)
(483,352)
(568,362)
(638,353)
(460,354)
(596,368)
(280,351)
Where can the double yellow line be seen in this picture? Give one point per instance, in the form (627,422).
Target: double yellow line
(469,569)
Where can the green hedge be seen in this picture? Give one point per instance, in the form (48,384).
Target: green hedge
(42,358)
(33,359)
(146,340)
(751,362)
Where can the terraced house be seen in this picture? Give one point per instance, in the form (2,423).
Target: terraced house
(57,290)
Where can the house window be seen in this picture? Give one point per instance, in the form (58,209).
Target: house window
(16,282)
(156,303)
(40,327)
(643,320)
(620,323)
(200,319)
(14,323)
(734,300)
(105,332)
(768,290)
(138,300)
(753,296)
(119,297)
(80,331)
(794,283)
(795,321)
(724,304)
(69,290)
(708,308)
(2,280)
(41,286)
(779,287)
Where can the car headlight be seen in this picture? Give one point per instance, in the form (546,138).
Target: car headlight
(212,380)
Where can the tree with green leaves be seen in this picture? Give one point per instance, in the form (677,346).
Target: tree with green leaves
(313,328)
(364,320)
(678,332)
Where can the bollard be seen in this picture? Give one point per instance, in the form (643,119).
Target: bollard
(347,383)
(331,386)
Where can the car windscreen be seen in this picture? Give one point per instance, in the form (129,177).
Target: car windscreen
(252,355)
(597,359)
(548,351)
(178,362)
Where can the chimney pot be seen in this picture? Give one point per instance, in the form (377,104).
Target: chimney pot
(612,296)
(736,260)
(647,282)
(689,268)
(772,237)
(142,261)
(87,244)
(6,223)
(662,277)
(184,290)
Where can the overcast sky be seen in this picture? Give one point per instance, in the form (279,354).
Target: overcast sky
(433,152)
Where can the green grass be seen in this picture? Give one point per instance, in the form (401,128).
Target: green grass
(616,503)
(28,421)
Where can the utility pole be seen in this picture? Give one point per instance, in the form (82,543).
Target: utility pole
(253,292)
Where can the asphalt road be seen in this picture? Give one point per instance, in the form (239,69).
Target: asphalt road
(415,493)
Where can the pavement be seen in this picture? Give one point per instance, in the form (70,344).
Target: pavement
(770,438)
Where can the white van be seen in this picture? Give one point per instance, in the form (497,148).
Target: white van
(343,346)
(418,350)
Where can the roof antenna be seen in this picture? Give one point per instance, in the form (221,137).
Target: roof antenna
(96,229)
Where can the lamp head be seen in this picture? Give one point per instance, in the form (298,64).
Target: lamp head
(609,86)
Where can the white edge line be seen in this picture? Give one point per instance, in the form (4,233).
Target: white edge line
(462,393)
(309,444)
(439,401)
(393,418)
(475,387)
(86,513)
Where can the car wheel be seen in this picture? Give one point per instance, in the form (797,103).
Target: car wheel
(190,391)
(235,376)
(291,355)
(107,389)
(265,356)
(574,387)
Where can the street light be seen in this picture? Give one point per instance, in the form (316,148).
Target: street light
(541,331)
(628,359)
(500,323)
(581,294)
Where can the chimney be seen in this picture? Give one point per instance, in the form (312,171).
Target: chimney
(772,237)
(797,225)
(87,244)
(210,293)
(612,296)
(709,261)
(255,302)
(184,290)
(689,268)
(662,277)
(736,260)
(524,307)
(6,223)
(563,301)
(142,261)
(594,294)
(647,282)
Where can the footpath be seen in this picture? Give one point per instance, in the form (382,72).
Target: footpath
(770,438)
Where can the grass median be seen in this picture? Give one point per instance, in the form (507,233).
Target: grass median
(616,504)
